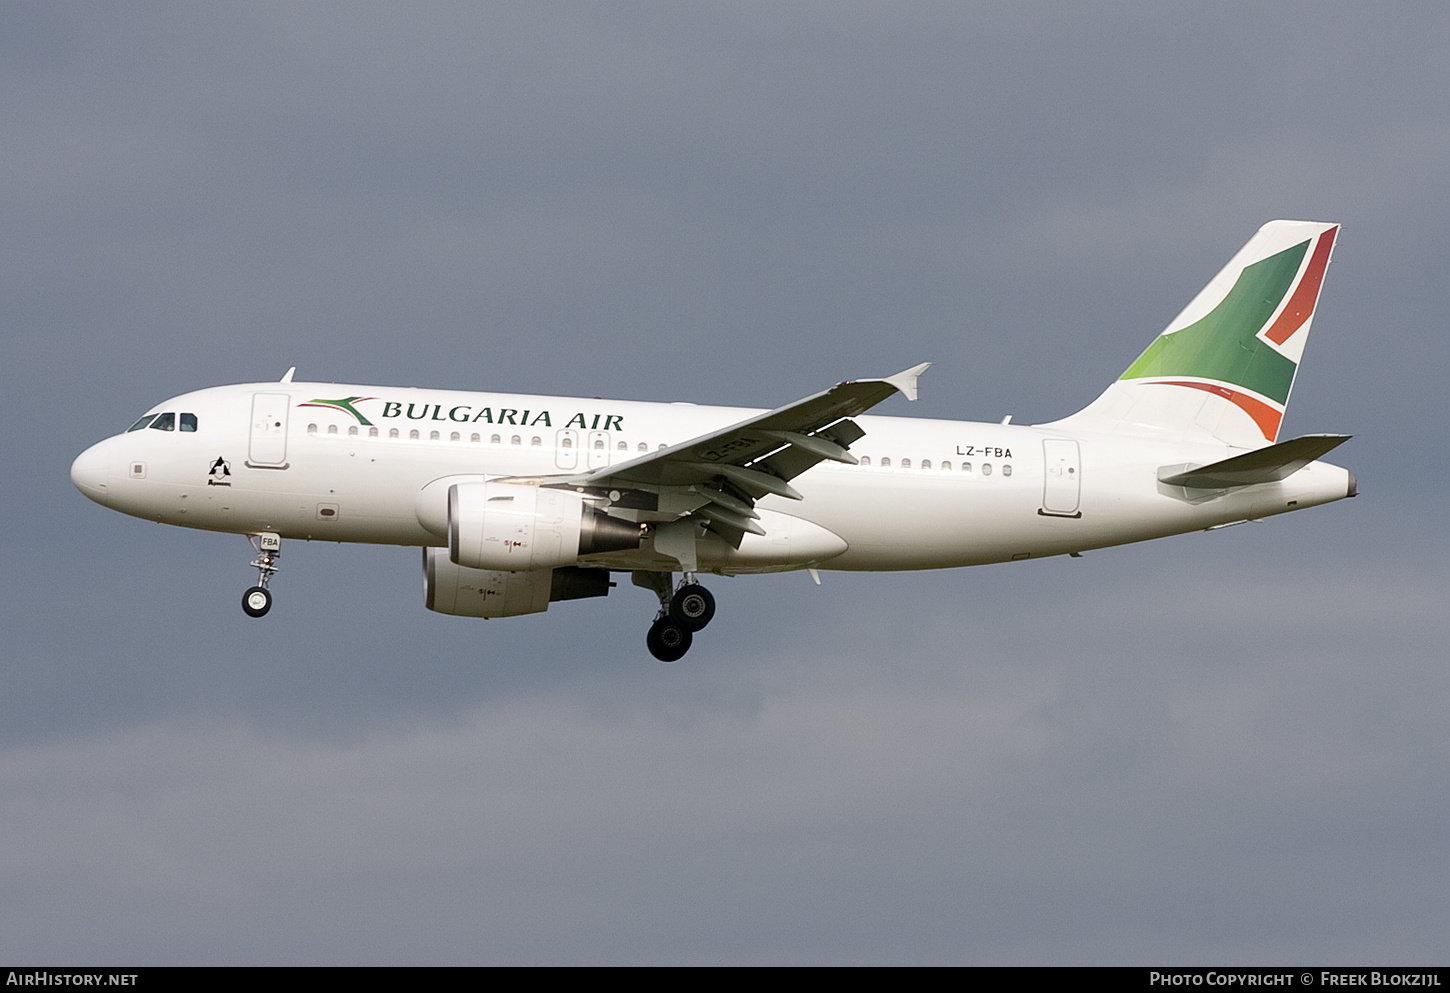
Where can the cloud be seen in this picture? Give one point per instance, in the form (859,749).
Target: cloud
(901,787)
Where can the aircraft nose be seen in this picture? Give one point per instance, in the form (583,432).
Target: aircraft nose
(89,473)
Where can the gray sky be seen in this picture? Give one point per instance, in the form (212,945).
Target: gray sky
(1224,747)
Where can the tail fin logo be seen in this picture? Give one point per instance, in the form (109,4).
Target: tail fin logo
(1244,349)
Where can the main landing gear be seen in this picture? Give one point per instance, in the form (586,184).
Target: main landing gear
(687,610)
(258,600)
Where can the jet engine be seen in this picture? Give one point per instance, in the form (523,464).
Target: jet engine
(449,588)
(511,527)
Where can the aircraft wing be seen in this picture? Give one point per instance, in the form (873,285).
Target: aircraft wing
(719,476)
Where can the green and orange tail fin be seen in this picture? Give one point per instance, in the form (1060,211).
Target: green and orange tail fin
(1224,368)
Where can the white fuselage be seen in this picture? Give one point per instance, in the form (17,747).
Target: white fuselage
(928,494)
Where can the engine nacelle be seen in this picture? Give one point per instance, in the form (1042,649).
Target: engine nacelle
(449,588)
(511,527)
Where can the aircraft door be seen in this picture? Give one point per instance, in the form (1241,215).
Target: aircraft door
(268,445)
(598,449)
(566,449)
(1062,483)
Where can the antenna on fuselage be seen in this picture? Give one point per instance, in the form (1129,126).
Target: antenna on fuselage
(287,376)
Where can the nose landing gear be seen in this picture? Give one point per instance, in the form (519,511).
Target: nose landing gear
(258,599)
(687,610)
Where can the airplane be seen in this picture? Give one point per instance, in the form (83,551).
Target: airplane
(520,501)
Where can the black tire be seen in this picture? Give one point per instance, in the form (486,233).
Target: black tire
(256,601)
(692,607)
(668,641)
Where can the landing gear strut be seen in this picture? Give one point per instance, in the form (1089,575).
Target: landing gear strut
(258,600)
(683,611)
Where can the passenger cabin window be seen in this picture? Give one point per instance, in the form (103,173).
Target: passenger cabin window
(495,440)
(1006,470)
(331,429)
(946,467)
(886,460)
(966,467)
(372,432)
(188,422)
(455,436)
(598,444)
(926,463)
(312,429)
(906,463)
(475,438)
(986,468)
(141,423)
(516,440)
(433,436)
(643,447)
(865,460)
(568,442)
(352,431)
(413,435)
(623,446)
(164,422)
(537,442)
(392,432)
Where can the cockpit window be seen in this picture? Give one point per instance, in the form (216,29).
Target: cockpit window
(188,422)
(141,423)
(164,422)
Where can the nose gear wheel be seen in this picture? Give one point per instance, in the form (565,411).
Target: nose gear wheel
(256,601)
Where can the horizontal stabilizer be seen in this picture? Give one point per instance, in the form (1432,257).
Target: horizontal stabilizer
(1263,465)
